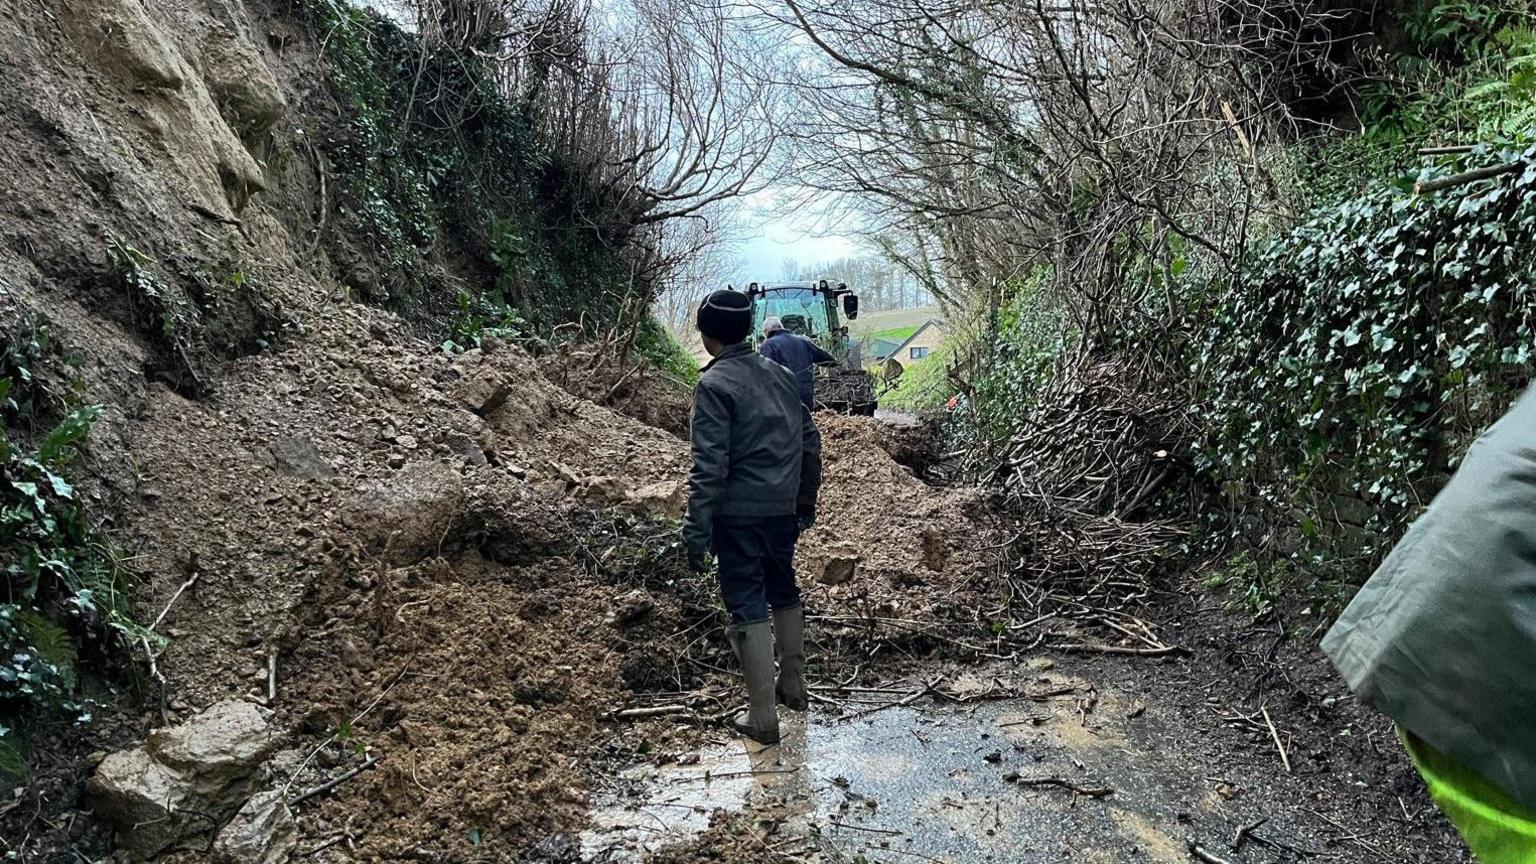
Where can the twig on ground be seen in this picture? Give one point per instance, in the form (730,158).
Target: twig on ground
(1063,783)
(332,784)
(706,776)
(1203,854)
(1243,832)
(271,679)
(196,574)
(1285,759)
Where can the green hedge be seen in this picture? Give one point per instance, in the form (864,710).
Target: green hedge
(1341,376)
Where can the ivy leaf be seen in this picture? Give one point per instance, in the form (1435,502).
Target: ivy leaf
(60,486)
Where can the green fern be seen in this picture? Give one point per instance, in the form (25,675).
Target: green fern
(13,762)
(52,645)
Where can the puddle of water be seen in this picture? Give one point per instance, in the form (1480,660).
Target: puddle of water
(940,783)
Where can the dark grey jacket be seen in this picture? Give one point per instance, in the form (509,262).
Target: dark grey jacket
(1442,638)
(756,452)
(799,355)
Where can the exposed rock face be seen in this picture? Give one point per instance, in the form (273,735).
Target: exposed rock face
(171,787)
(127,41)
(241,84)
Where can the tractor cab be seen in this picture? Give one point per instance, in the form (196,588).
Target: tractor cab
(808,309)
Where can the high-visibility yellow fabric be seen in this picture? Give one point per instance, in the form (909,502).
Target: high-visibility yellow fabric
(1498,829)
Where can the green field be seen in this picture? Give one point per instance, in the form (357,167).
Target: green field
(880,324)
(895,334)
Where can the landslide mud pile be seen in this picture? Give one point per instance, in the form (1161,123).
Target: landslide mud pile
(408,538)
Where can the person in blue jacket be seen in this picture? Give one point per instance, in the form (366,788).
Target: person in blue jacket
(797,354)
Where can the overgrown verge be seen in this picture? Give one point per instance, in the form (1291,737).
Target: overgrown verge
(66,607)
(452,206)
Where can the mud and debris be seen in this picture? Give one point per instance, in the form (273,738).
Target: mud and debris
(450,585)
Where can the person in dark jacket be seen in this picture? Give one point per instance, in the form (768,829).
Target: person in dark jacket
(797,354)
(756,473)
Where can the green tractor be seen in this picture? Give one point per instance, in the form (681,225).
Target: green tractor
(810,309)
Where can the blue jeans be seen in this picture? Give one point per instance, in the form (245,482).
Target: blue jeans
(757,566)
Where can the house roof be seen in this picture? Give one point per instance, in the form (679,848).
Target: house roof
(931,322)
(883,348)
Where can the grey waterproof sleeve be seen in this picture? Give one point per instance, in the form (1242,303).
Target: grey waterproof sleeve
(810,464)
(710,431)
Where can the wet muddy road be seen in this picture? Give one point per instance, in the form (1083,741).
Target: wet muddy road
(1066,770)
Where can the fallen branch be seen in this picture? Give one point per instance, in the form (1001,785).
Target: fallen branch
(1274,734)
(1063,783)
(332,784)
(209,213)
(154,669)
(1424,187)
(1447,150)
(889,831)
(1093,648)
(899,703)
(653,711)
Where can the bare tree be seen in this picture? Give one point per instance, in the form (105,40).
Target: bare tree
(1110,141)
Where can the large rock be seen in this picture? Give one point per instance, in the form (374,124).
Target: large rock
(603,490)
(298,456)
(217,751)
(483,386)
(184,779)
(664,499)
(145,799)
(414,508)
(263,832)
(839,565)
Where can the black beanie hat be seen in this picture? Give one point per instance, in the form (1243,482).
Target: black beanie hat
(726,316)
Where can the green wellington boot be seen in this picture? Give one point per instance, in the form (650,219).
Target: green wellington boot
(753,644)
(789,639)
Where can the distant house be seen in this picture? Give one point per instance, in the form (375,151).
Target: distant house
(922,342)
